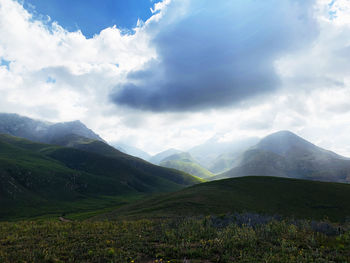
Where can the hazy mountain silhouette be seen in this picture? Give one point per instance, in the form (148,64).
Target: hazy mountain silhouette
(186,163)
(156,159)
(285,154)
(40,131)
(131,150)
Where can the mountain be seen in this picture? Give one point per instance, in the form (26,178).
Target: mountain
(264,195)
(156,159)
(40,178)
(214,153)
(72,134)
(131,150)
(285,154)
(184,162)
(40,131)
(224,162)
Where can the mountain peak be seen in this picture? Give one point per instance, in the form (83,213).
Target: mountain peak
(42,131)
(283,141)
(282,133)
(76,122)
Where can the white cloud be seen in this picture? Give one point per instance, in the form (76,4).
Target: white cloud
(84,69)
(313,100)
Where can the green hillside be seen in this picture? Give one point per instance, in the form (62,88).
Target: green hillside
(101,148)
(264,195)
(156,159)
(184,162)
(90,145)
(40,178)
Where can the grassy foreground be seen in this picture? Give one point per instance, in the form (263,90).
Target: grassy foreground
(236,238)
(291,198)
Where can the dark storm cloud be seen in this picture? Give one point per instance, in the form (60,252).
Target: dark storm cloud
(218,54)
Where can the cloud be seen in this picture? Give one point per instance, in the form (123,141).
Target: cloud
(44,66)
(217,53)
(193,70)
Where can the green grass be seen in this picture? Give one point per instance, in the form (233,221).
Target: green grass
(185,162)
(38,178)
(197,240)
(188,167)
(80,209)
(264,195)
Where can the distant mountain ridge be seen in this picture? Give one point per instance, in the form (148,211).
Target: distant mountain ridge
(186,163)
(213,155)
(156,159)
(217,156)
(40,131)
(131,150)
(285,154)
(283,142)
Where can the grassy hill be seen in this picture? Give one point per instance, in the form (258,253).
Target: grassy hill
(264,195)
(184,162)
(156,159)
(40,178)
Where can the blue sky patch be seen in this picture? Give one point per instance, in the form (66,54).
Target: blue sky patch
(331,3)
(92,16)
(4,62)
(50,80)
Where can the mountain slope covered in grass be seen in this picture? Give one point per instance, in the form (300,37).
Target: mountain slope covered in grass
(184,162)
(264,195)
(156,159)
(285,154)
(35,175)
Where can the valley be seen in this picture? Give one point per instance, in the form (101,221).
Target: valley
(66,185)
(78,172)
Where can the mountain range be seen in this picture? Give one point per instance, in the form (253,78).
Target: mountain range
(40,131)
(213,156)
(282,154)
(285,154)
(55,167)
(37,177)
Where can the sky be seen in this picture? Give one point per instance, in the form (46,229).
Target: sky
(91,16)
(175,73)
